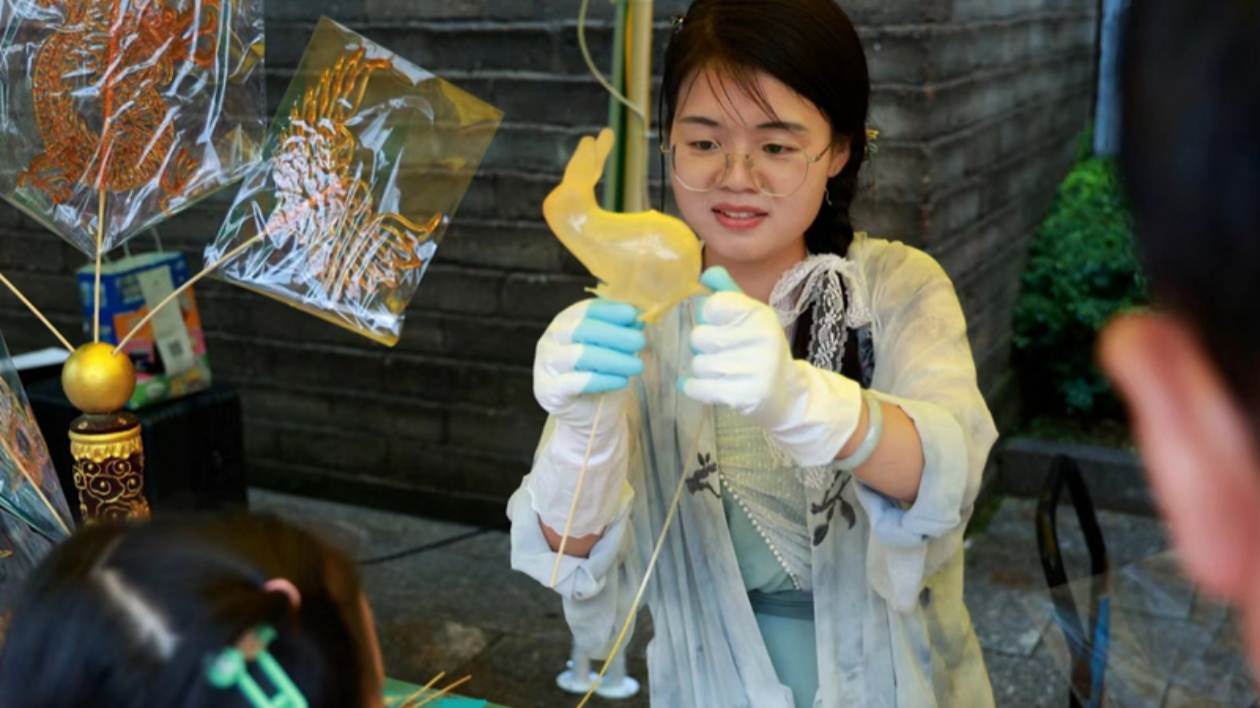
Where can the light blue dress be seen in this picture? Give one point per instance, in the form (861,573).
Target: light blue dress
(764,505)
(784,614)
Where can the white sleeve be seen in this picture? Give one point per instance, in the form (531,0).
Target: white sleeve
(923,364)
(590,587)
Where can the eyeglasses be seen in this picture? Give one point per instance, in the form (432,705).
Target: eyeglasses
(777,169)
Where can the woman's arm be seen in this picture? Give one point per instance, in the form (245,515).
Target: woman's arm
(579,547)
(896,467)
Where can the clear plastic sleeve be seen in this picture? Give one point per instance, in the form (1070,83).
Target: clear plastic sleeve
(115,114)
(1142,636)
(364,164)
(33,512)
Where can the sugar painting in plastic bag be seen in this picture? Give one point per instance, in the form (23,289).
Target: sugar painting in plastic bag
(364,165)
(130,109)
(33,511)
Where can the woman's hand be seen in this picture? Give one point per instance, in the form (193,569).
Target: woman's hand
(585,360)
(742,360)
(590,348)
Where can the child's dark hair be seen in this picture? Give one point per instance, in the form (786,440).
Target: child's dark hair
(130,615)
(809,45)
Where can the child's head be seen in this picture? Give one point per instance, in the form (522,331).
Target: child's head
(785,82)
(132,615)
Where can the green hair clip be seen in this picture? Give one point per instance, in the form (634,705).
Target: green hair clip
(228,670)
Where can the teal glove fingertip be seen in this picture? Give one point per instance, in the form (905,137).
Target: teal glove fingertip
(613,312)
(604,383)
(719,280)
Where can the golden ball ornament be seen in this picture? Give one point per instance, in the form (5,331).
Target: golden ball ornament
(96,380)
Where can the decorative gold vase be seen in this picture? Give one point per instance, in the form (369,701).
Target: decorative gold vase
(105,443)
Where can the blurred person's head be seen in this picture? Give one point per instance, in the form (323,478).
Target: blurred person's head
(135,615)
(1190,370)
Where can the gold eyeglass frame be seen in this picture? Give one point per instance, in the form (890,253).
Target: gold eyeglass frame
(748,162)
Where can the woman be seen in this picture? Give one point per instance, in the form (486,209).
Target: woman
(189,613)
(822,405)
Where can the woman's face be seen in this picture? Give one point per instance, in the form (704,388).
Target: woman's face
(737,222)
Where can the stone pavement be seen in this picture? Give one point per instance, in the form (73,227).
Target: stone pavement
(459,608)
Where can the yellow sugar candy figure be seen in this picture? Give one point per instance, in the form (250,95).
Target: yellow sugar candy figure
(647,259)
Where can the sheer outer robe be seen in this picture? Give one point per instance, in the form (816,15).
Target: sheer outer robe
(891,626)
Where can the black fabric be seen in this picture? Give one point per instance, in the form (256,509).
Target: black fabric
(851,363)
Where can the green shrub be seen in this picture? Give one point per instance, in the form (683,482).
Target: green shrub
(1082,269)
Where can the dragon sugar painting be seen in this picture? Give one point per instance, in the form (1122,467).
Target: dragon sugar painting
(363,167)
(115,114)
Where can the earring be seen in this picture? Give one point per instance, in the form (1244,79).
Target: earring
(827,195)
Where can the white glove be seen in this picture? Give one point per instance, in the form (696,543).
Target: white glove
(588,354)
(742,360)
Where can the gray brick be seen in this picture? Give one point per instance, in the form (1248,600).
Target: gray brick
(885,218)
(10,216)
(973,10)
(343,10)
(516,390)
(447,288)
(533,147)
(50,292)
(22,332)
(42,252)
(898,170)
(439,380)
(363,453)
(507,431)
(873,12)
(963,48)
(261,440)
(900,57)
(455,471)
(520,196)
(443,48)
(504,245)
(993,234)
(287,40)
(562,99)
(541,297)
(224,308)
(490,340)
(370,413)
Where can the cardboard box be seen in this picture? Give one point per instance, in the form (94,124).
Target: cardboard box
(170,352)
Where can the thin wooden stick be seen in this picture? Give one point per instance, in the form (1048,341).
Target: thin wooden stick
(44,498)
(577,493)
(187,284)
(39,492)
(647,575)
(96,292)
(449,687)
(407,701)
(313,199)
(31,306)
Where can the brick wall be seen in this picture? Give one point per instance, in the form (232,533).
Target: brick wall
(978,101)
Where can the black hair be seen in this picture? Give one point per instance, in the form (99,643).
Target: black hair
(129,615)
(812,47)
(809,45)
(1190,159)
